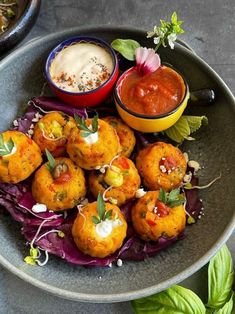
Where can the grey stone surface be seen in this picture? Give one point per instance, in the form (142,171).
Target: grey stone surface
(209,29)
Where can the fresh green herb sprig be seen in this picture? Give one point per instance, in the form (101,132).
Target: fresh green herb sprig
(178,299)
(171,199)
(167,32)
(51,161)
(86,131)
(102,214)
(6,147)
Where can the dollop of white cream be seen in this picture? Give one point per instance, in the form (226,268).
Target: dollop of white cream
(140,192)
(81,67)
(39,208)
(105,227)
(92,138)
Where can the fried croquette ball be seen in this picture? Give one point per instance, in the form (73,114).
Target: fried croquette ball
(125,134)
(60,188)
(122,176)
(94,150)
(161,165)
(23,158)
(102,238)
(51,132)
(153,219)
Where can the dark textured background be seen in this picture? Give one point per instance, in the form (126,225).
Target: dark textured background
(210,28)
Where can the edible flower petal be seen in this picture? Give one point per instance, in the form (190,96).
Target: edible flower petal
(147,60)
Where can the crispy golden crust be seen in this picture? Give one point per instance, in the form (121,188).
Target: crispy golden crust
(89,241)
(149,225)
(21,164)
(57,194)
(52,131)
(148,165)
(131,181)
(125,134)
(89,156)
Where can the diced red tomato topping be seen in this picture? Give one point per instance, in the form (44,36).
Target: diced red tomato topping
(63,178)
(168,162)
(124,163)
(151,222)
(162,209)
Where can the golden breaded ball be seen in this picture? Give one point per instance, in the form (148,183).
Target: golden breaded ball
(125,181)
(61,188)
(24,158)
(89,153)
(102,239)
(161,165)
(52,131)
(125,134)
(152,220)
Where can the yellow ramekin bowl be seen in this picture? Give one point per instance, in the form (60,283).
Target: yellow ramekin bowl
(148,123)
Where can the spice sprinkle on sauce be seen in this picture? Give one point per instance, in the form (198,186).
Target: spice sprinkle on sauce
(81,67)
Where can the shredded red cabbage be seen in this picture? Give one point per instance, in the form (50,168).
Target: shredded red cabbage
(18,201)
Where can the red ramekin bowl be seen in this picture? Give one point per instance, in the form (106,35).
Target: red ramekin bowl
(88,98)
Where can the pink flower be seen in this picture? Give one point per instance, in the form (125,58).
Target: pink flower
(147,60)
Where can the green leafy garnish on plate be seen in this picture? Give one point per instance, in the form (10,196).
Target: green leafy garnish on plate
(179,300)
(171,199)
(184,127)
(102,214)
(51,161)
(220,279)
(126,47)
(6,147)
(167,32)
(86,131)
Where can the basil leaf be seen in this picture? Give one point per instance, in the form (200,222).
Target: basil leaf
(228,307)
(126,47)
(95,220)
(81,123)
(220,278)
(100,207)
(95,124)
(176,299)
(162,197)
(84,134)
(175,203)
(173,195)
(50,167)
(108,214)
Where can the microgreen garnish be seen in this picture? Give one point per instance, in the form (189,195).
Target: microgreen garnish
(51,165)
(6,147)
(171,199)
(167,32)
(102,214)
(86,131)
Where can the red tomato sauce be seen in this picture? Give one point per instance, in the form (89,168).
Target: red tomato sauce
(153,94)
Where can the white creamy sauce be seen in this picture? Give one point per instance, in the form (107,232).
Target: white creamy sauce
(105,227)
(140,192)
(92,138)
(81,67)
(39,208)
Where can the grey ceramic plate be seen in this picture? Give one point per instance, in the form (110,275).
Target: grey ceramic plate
(21,77)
